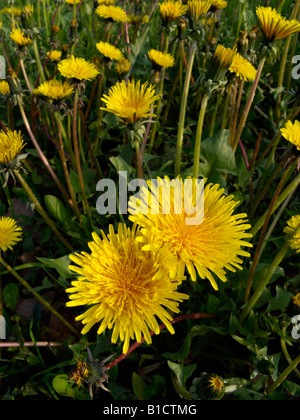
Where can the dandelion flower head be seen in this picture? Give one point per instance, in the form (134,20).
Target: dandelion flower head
(10,233)
(4,87)
(242,68)
(54,90)
(17,35)
(292,225)
(198,8)
(274,25)
(123,66)
(160,59)
(109,51)
(11,144)
(127,289)
(171,10)
(113,13)
(78,68)
(208,247)
(291,132)
(131,101)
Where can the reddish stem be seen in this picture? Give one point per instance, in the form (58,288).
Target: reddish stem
(161,327)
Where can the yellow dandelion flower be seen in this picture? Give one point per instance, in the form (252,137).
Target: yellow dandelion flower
(123,66)
(16,11)
(78,68)
(131,101)
(73,1)
(211,245)
(4,87)
(54,55)
(274,25)
(106,2)
(54,90)
(291,132)
(242,68)
(218,4)
(160,59)
(110,51)
(28,10)
(198,8)
(220,62)
(11,144)
(80,373)
(113,13)
(18,36)
(126,287)
(171,10)
(10,233)
(292,225)
(296,300)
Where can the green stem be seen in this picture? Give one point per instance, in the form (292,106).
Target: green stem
(267,277)
(39,298)
(183,110)
(139,160)
(225,106)
(42,212)
(292,366)
(41,154)
(288,190)
(38,60)
(214,116)
(248,105)
(77,158)
(198,138)
(283,63)
(285,350)
(45,18)
(264,229)
(65,166)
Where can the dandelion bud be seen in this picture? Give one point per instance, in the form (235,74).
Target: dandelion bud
(208,388)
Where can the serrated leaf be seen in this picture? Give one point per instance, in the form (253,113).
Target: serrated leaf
(217,155)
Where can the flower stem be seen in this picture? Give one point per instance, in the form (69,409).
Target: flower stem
(291,188)
(38,60)
(39,297)
(265,281)
(139,160)
(77,158)
(183,111)
(42,212)
(283,63)
(41,154)
(248,105)
(25,76)
(264,229)
(284,375)
(198,138)
(65,166)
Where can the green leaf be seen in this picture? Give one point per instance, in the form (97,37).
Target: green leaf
(57,209)
(281,300)
(61,265)
(64,387)
(10,295)
(182,372)
(217,155)
(120,164)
